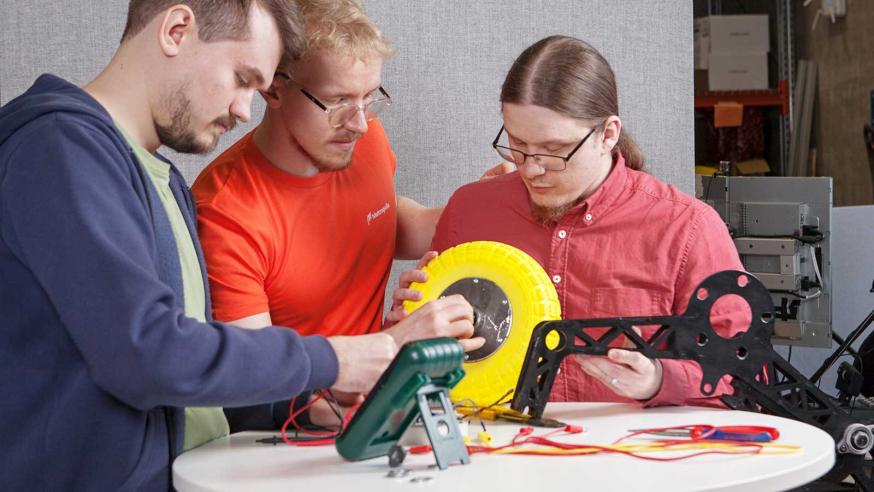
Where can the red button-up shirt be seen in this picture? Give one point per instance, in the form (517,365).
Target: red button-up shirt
(635,247)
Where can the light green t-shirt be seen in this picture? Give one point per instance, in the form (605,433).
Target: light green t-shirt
(202,424)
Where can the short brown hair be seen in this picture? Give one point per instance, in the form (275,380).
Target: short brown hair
(569,76)
(221,20)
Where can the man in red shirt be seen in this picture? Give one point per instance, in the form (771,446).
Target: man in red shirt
(615,240)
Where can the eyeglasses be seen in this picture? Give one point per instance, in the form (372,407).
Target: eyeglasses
(340,114)
(548,162)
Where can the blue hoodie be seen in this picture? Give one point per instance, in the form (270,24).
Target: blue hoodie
(96,357)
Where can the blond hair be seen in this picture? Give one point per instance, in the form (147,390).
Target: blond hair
(343,27)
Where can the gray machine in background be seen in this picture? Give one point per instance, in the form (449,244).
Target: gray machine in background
(852,273)
(782,230)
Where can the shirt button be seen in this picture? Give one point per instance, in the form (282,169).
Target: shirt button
(556,279)
(562,233)
(588,217)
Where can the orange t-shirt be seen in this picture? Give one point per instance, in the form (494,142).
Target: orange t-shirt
(315,252)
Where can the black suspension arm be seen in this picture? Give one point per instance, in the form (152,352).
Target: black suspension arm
(762,380)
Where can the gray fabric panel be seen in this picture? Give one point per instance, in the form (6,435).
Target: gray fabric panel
(445,79)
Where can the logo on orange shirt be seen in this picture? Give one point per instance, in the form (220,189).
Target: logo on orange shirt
(371,216)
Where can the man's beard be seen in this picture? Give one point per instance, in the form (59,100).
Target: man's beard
(325,162)
(551,216)
(178,134)
(325,165)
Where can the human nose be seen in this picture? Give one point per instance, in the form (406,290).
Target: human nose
(241,107)
(358,121)
(529,167)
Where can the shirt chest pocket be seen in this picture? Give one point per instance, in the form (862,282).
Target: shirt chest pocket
(626,302)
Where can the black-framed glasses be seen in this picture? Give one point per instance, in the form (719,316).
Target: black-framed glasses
(340,114)
(548,162)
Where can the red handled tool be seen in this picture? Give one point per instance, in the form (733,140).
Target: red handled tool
(744,433)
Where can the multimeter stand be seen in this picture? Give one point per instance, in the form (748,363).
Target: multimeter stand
(441,425)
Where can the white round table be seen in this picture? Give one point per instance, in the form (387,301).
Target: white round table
(239,463)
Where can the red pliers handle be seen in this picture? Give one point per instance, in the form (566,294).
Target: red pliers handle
(751,433)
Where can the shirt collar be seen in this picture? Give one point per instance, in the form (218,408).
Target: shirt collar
(254,155)
(606,195)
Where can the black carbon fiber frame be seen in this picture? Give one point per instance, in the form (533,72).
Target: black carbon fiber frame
(763,381)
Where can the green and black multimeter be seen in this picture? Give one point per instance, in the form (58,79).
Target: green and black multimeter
(416,384)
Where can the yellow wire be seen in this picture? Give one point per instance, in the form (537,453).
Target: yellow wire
(769,449)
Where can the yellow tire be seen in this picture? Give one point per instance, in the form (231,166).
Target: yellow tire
(507,277)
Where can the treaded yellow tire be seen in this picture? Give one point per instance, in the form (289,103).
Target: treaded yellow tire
(531,296)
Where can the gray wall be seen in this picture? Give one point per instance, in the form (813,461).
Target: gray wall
(445,79)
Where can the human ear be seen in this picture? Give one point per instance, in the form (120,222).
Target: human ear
(611,132)
(274,94)
(177,26)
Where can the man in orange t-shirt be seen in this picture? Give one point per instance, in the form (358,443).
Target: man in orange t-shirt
(299,221)
(313,252)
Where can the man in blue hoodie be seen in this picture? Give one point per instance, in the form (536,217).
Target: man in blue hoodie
(105,333)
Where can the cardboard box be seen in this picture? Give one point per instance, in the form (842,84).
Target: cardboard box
(728,114)
(753,167)
(738,71)
(733,49)
(734,33)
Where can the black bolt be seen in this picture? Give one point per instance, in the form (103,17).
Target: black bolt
(860,440)
(396,456)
